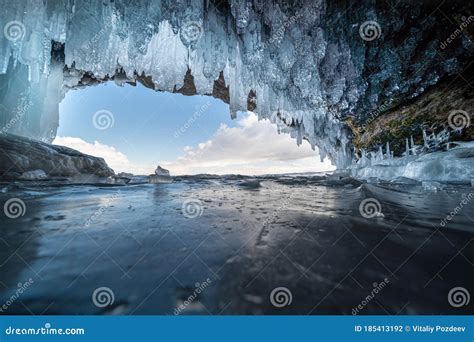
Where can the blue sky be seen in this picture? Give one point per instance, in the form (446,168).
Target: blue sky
(186,134)
(144,121)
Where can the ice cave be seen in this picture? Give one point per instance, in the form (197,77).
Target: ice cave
(310,66)
(383,89)
(289,63)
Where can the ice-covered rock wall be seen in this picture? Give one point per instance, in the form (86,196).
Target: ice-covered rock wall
(304,64)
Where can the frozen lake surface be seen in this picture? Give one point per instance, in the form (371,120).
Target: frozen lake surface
(232,243)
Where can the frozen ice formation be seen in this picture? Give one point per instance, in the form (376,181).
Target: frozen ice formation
(301,64)
(161,176)
(454,165)
(437,159)
(431,143)
(161,172)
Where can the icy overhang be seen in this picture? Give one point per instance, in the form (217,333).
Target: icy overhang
(304,65)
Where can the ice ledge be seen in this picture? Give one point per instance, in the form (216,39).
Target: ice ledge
(447,166)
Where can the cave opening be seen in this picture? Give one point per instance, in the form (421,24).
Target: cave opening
(135,129)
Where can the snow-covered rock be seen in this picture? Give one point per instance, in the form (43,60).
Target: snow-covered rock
(22,158)
(33,175)
(432,186)
(161,171)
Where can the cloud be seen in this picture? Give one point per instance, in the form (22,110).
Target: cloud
(115,159)
(253,147)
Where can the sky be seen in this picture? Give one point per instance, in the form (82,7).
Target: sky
(135,129)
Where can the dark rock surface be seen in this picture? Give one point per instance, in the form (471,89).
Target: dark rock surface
(19,155)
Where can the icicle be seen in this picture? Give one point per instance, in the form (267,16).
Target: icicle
(413,149)
(425,138)
(380,154)
(407,147)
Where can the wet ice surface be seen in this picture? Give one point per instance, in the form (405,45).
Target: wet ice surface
(302,233)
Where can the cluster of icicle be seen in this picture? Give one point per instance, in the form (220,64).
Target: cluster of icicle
(431,143)
(280,52)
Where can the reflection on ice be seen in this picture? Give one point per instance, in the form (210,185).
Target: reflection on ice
(302,232)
